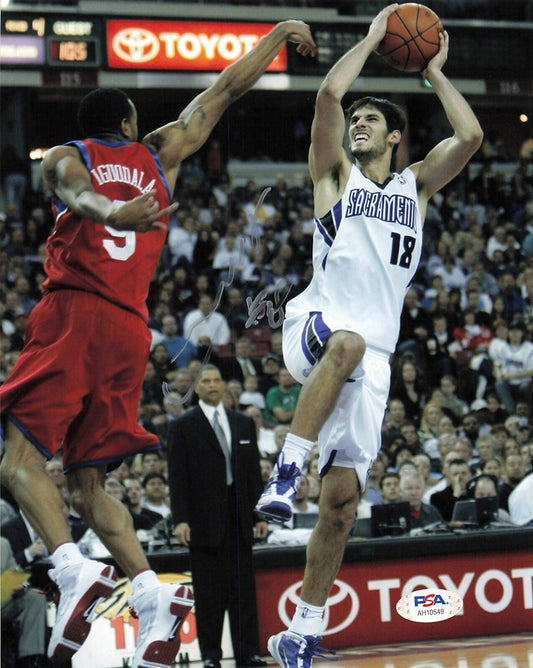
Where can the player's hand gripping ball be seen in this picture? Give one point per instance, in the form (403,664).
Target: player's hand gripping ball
(412,37)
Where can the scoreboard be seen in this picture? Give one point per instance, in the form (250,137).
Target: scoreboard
(61,52)
(43,40)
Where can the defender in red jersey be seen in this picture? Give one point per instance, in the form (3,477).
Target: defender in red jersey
(77,383)
(115,264)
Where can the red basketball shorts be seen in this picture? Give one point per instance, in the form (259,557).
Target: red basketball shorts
(77,382)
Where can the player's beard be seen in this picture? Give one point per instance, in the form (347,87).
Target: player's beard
(376,150)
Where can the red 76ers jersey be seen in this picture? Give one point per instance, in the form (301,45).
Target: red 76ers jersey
(85,255)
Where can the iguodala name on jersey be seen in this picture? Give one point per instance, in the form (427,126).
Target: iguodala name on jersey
(113,173)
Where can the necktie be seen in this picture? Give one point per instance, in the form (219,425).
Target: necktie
(225,447)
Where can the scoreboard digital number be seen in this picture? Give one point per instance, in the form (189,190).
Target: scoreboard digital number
(72,52)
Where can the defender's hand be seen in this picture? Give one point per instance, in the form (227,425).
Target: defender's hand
(300,33)
(140,214)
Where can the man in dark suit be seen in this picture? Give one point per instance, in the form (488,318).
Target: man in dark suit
(28,548)
(26,545)
(241,365)
(215,481)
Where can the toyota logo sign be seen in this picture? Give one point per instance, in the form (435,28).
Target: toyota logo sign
(342,606)
(136,45)
(184,45)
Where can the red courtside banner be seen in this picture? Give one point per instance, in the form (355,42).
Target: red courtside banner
(183,45)
(496,589)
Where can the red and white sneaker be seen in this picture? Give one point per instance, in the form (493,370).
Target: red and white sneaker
(82,586)
(161,612)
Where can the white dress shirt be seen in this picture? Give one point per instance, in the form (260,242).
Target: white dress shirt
(209,412)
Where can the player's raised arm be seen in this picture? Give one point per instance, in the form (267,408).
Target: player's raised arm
(68,178)
(327,131)
(177,140)
(448,158)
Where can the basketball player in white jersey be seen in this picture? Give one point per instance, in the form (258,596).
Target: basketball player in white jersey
(339,333)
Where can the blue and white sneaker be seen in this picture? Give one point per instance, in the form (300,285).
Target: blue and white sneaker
(275,503)
(291,650)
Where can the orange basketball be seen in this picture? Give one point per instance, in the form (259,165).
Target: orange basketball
(412,37)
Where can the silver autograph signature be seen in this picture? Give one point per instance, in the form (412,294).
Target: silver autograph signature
(258,308)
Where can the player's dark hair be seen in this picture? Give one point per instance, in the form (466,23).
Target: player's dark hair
(102,111)
(394,116)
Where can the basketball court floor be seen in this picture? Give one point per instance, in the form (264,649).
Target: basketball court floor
(506,651)
(500,651)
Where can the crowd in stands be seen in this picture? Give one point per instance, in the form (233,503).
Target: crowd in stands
(460,399)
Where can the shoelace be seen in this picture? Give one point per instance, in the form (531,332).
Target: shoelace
(284,480)
(313,649)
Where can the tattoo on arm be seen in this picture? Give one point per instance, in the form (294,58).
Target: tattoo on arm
(156,141)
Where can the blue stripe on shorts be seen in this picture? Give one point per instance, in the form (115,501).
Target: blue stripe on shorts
(314,336)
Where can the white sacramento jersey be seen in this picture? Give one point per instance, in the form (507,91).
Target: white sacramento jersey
(366,250)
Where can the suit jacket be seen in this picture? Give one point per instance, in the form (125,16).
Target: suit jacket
(19,538)
(199,494)
(445,501)
(146,519)
(230,368)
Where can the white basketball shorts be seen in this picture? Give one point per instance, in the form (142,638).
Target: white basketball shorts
(351,437)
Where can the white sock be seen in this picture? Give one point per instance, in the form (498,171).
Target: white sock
(66,554)
(296,449)
(307,620)
(144,581)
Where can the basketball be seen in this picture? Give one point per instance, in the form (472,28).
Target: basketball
(412,37)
